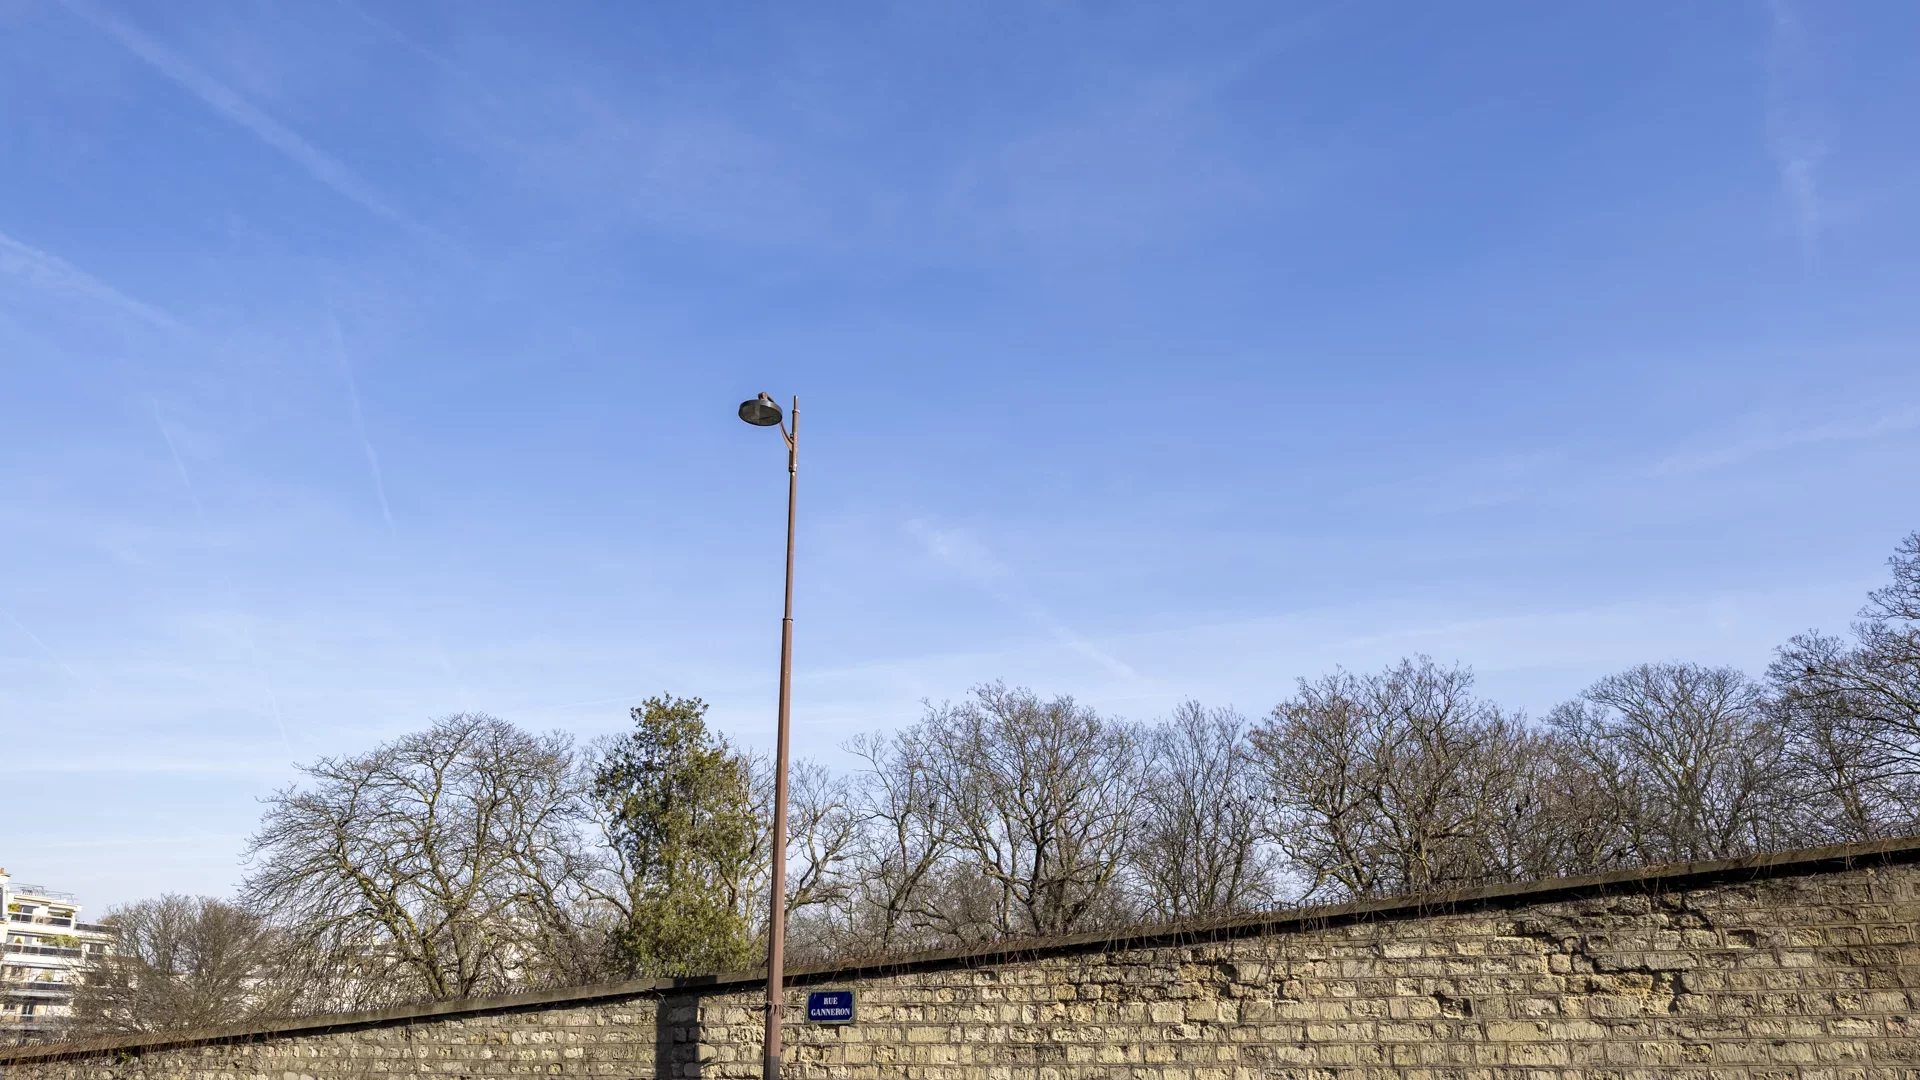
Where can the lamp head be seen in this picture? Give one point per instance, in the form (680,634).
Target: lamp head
(760,411)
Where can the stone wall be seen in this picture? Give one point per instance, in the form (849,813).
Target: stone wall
(1794,965)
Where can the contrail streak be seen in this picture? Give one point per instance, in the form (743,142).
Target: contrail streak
(360,421)
(969,556)
(379,479)
(406,41)
(180,466)
(49,271)
(234,107)
(44,647)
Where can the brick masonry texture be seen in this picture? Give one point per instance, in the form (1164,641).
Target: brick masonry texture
(1797,965)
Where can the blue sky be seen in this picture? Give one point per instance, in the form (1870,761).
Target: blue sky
(360,364)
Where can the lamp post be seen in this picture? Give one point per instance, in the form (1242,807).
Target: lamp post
(763,411)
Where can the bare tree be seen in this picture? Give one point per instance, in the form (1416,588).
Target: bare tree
(1198,850)
(822,838)
(822,830)
(1391,782)
(1555,827)
(823,835)
(1899,600)
(430,866)
(1684,759)
(1852,710)
(180,962)
(1855,786)
(904,839)
(1040,796)
(473,857)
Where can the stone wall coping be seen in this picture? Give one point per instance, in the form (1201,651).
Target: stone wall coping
(1669,877)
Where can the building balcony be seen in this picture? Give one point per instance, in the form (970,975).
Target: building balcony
(38,991)
(43,950)
(38,920)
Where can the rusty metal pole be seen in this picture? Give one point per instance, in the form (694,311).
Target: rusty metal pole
(777,902)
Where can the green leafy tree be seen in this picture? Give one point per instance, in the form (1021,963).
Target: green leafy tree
(680,811)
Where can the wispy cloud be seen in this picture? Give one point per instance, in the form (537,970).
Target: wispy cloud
(47,271)
(231,104)
(965,553)
(1115,158)
(1526,658)
(360,421)
(1793,137)
(142,763)
(1756,443)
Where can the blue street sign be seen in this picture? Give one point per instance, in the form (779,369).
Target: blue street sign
(830,1006)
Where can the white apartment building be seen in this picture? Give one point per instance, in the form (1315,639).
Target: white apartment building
(46,949)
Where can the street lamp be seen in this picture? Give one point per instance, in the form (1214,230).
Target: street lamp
(763,411)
